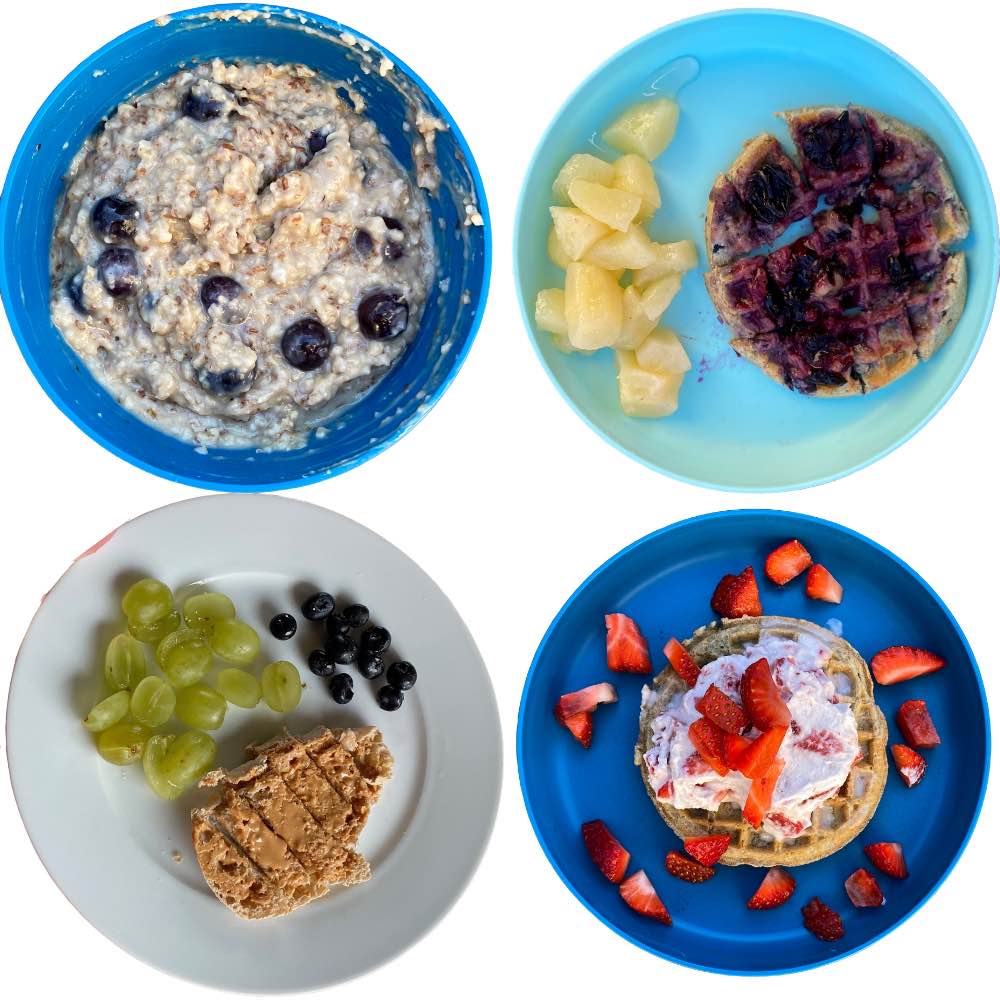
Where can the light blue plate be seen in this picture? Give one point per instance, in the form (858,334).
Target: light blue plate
(736,429)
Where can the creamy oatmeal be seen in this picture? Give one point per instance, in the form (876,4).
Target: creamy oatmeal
(237,253)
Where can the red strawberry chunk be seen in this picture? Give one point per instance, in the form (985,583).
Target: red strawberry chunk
(627,650)
(820,741)
(737,596)
(863,890)
(707,850)
(821,585)
(732,746)
(888,858)
(581,726)
(666,790)
(786,562)
(776,888)
(900,663)
(682,662)
(607,853)
(761,792)
(823,921)
(717,706)
(686,869)
(909,763)
(759,756)
(761,697)
(639,893)
(916,725)
(585,700)
(706,738)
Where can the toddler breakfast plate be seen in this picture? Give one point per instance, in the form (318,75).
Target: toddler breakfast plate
(731,73)
(124,857)
(664,582)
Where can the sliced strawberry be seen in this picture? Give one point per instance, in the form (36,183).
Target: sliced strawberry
(761,792)
(706,738)
(786,562)
(718,707)
(707,850)
(900,663)
(639,893)
(585,700)
(732,746)
(888,858)
(776,888)
(909,763)
(686,869)
(680,659)
(762,699)
(760,755)
(916,724)
(581,726)
(863,890)
(606,852)
(627,650)
(737,596)
(823,921)
(821,585)
(666,790)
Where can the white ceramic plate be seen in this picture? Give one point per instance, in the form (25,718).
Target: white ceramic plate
(110,844)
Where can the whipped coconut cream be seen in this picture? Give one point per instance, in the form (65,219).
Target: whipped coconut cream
(818,751)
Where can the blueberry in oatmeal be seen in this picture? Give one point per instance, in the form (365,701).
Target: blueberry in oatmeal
(119,272)
(306,344)
(114,218)
(383,315)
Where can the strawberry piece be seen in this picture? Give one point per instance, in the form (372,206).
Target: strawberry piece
(737,596)
(821,585)
(639,893)
(888,858)
(581,726)
(719,708)
(909,763)
(607,853)
(706,737)
(732,746)
(786,562)
(707,850)
(686,869)
(822,920)
(863,890)
(900,663)
(761,792)
(627,650)
(776,888)
(680,659)
(762,699)
(916,724)
(585,700)
(760,755)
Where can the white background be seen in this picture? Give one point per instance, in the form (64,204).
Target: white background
(508,501)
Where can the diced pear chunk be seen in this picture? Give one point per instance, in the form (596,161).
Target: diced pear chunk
(636,325)
(644,393)
(671,258)
(550,310)
(657,296)
(645,128)
(614,208)
(557,254)
(631,250)
(585,167)
(593,307)
(576,231)
(663,352)
(635,175)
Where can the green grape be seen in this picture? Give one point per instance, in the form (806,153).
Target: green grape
(157,630)
(235,641)
(238,687)
(122,743)
(124,663)
(152,766)
(188,758)
(209,607)
(200,706)
(184,656)
(147,601)
(281,686)
(153,702)
(107,712)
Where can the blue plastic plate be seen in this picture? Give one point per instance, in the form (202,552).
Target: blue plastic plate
(664,581)
(736,429)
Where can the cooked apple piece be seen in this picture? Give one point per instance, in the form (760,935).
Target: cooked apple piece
(557,254)
(576,231)
(635,175)
(550,310)
(630,250)
(643,393)
(645,128)
(636,325)
(671,258)
(585,167)
(614,208)
(663,352)
(593,307)
(657,296)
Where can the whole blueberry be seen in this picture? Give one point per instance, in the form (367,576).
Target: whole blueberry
(402,675)
(224,299)
(364,245)
(119,272)
(321,663)
(113,219)
(74,289)
(389,698)
(337,625)
(316,141)
(230,382)
(318,606)
(341,688)
(383,315)
(376,639)
(342,648)
(370,665)
(283,625)
(200,108)
(306,344)
(356,615)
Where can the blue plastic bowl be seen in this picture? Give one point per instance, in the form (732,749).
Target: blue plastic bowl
(134,62)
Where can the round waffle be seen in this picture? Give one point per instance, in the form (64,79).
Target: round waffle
(836,821)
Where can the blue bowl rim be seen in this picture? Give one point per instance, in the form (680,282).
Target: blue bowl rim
(527,314)
(716,517)
(7,205)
